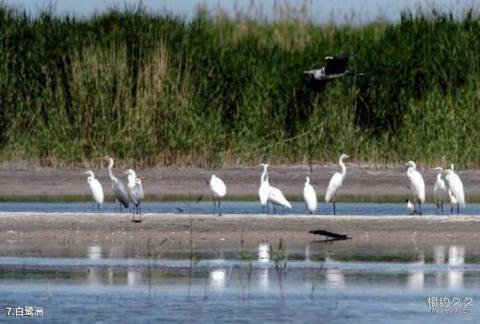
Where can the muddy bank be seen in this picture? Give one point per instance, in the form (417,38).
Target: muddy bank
(241,181)
(163,235)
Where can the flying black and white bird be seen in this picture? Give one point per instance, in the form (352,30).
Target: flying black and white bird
(335,67)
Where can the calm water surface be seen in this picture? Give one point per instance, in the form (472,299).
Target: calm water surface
(266,284)
(230,207)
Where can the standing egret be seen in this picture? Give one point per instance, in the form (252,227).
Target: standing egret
(336,182)
(219,191)
(439,190)
(276,197)
(309,196)
(96,188)
(417,185)
(453,200)
(455,186)
(273,194)
(118,187)
(136,192)
(264,189)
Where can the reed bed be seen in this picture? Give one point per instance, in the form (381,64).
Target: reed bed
(161,90)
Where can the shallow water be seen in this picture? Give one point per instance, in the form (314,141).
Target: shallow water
(230,207)
(263,285)
(267,284)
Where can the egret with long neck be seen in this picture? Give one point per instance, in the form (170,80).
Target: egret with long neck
(136,192)
(455,186)
(95,188)
(439,190)
(336,182)
(264,187)
(119,189)
(270,194)
(309,196)
(417,185)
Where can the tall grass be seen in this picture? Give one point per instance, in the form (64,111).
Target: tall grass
(158,89)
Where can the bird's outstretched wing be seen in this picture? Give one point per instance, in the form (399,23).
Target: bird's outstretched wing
(336,65)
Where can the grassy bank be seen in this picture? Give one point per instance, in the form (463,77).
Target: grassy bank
(161,90)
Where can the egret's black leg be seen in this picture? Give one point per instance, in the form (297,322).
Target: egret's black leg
(334,208)
(219,207)
(441,206)
(458,209)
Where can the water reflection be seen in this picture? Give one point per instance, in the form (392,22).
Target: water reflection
(439,259)
(134,276)
(456,257)
(334,278)
(263,279)
(218,280)
(416,277)
(94,274)
(94,252)
(307,253)
(264,251)
(446,271)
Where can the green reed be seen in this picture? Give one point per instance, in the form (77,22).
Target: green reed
(158,89)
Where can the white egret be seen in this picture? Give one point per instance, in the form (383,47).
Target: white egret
(336,182)
(119,189)
(219,191)
(276,197)
(95,188)
(273,194)
(440,189)
(417,185)
(264,189)
(455,186)
(136,192)
(453,200)
(309,196)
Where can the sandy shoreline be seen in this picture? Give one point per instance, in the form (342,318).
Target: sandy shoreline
(241,180)
(52,234)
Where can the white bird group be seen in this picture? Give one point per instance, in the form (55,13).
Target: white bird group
(274,196)
(450,184)
(135,189)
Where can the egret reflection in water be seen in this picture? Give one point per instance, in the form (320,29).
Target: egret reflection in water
(218,278)
(94,274)
(416,276)
(264,251)
(334,277)
(456,260)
